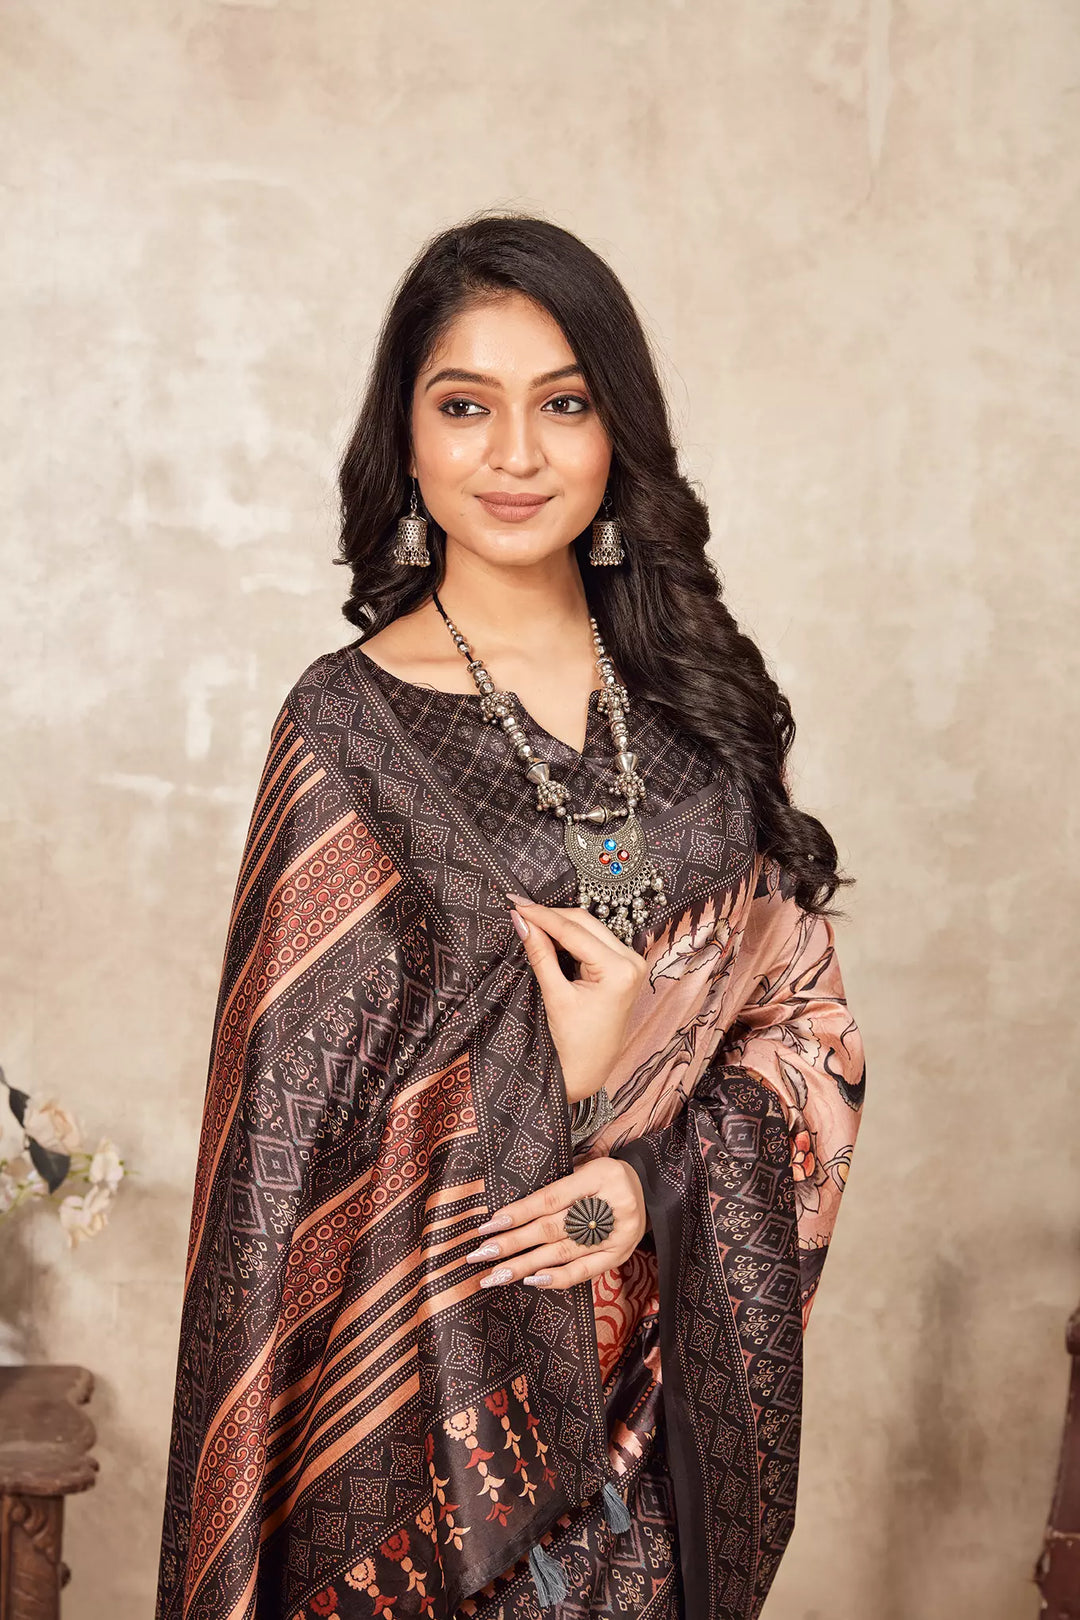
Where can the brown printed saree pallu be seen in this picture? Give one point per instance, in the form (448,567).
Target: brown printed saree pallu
(359,1429)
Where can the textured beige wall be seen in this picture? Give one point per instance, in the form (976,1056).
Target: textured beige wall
(852,228)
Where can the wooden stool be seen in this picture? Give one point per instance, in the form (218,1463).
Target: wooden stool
(1057,1571)
(44,1441)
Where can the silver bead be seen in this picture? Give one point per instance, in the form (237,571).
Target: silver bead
(626,761)
(598,814)
(507,720)
(524,750)
(540,772)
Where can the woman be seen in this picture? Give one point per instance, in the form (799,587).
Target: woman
(534,1087)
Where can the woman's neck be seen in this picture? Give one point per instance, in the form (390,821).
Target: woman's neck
(535,609)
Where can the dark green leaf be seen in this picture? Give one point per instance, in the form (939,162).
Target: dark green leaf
(18,1101)
(52,1167)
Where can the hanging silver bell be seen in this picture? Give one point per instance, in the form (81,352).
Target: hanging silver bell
(410,543)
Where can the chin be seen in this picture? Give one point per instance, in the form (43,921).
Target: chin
(511,546)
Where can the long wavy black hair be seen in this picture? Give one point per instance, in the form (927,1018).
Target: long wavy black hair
(661,612)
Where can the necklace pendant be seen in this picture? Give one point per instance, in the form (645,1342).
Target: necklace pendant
(617,880)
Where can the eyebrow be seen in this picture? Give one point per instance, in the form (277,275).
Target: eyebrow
(456,374)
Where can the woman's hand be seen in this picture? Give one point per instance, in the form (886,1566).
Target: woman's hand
(532,1239)
(587,1016)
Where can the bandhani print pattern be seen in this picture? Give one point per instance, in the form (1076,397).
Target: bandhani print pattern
(359,1429)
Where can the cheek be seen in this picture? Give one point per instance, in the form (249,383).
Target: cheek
(444,456)
(583,461)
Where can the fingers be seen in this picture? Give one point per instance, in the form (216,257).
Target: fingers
(586,937)
(547,1268)
(557,1264)
(564,1251)
(553,1198)
(547,1229)
(529,1240)
(545,964)
(587,919)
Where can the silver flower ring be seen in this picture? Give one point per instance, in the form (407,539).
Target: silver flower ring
(589,1220)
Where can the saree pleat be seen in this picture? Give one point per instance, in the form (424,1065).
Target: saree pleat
(358,1428)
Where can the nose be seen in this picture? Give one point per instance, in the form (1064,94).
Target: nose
(514,445)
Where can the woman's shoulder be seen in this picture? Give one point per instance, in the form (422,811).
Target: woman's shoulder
(326,689)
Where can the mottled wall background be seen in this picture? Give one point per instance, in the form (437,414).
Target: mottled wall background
(852,229)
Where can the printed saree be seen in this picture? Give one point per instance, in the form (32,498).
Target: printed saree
(358,1428)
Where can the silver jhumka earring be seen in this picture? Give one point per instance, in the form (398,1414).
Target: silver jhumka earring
(411,545)
(606,547)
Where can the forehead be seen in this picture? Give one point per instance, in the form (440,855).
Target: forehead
(509,336)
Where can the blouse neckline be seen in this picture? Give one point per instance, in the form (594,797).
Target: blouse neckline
(474,698)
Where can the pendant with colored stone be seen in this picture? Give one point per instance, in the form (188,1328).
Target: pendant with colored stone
(616,878)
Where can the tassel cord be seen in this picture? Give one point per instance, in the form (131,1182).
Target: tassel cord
(548,1575)
(616,1511)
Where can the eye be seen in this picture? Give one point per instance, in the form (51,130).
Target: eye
(447,404)
(574,400)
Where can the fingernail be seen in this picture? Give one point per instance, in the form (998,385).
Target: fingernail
(519,923)
(501,1274)
(538,1277)
(496,1223)
(510,895)
(486,1251)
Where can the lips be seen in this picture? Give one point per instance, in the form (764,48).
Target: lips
(511,508)
(499,497)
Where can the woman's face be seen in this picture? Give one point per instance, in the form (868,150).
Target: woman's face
(501,408)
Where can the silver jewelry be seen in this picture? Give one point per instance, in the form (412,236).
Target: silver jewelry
(606,549)
(410,546)
(588,1114)
(616,877)
(589,1220)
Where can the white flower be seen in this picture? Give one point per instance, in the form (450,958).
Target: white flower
(86,1216)
(702,946)
(105,1166)
(23,1174)
(53,1126)
(11,1132)
(8,1192)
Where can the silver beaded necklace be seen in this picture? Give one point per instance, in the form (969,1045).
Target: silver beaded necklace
(616,877)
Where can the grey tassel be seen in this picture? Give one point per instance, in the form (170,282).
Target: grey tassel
(616,1511)
(548,1577)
